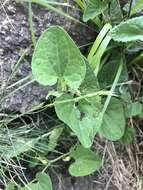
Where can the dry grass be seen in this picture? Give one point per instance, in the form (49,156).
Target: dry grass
(122,165)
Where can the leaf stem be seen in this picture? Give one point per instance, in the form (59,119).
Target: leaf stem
(80,4)
(113,86)
(31,24)
(55,160)
(130,8)
(136,7)
(44,3)
(137,59)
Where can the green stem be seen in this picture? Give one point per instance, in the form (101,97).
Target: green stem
(99,93)
(136,7)
(31,27)
(113,86)
(137,59)
(98,41)
(95,63)
(55,160)
(80,4)
(45,4)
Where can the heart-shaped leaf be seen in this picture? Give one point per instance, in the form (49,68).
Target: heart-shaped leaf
(93,9)
(44,183)
(115,12)
(128,136)
(130,30)
(86,162)
(91,85)
(81,118)
(57,58)
(105,77)
(113,125)
(133,109)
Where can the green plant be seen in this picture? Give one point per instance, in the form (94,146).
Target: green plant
(81,104)
(41,182)
(92,93)
(86,162)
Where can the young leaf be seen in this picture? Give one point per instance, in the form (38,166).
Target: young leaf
(128,136)
(133,109)
(93,9)
(53,138)
(86,162)
(105,77)
(116,15)
(57,58)
(44,183)
(86,116)
(130,30)
(81,118)
(91,85)
(113,125)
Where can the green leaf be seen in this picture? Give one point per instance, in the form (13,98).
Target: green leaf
(57,58)
(91,85)
(134,47)
(130,30)
(128,136)
(133,109)
(44,183)
(86,162)
(20,146)
(80,117)
(10,186)
(115,11)
(93,9)
(53,138)
(137,6)
(105,77)
(83,118)
(113,125)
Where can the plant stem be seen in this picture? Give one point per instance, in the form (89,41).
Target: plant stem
(136,7)
(80,4)
(55,160)
(130,8)
(31,24)
(113,85)
(98,41)
(137,59)
(45,4)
